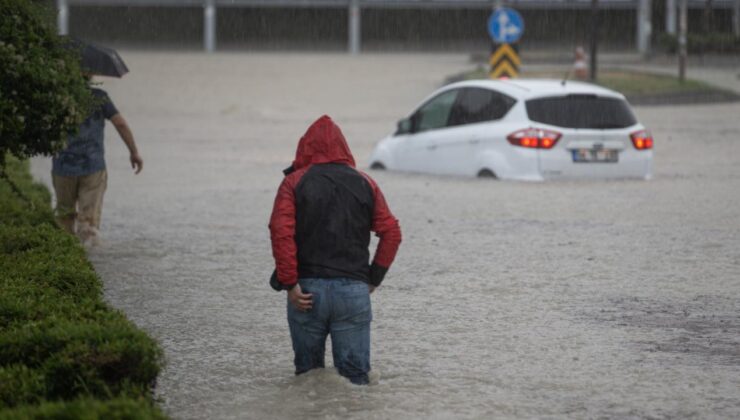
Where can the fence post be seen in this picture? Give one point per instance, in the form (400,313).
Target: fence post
(354,27)
(670,16)
(644,26)
(63,17)
(683,28)
(209,25)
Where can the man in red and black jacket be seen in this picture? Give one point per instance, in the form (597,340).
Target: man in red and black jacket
(320,228)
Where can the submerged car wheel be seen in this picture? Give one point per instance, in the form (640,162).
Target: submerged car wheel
(377,166)
(487,173)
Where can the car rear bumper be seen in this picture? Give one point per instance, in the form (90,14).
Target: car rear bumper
(631,164)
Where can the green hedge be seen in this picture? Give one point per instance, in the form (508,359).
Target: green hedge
(87,409)
(64,353)
(17,211)
(39,257)
(702,43)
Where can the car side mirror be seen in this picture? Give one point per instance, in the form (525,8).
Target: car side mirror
(405,126)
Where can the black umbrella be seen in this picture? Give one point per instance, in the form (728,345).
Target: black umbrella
(99,60)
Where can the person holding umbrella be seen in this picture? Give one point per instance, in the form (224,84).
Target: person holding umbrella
(78,172)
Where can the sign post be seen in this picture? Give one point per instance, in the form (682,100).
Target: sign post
(505,26)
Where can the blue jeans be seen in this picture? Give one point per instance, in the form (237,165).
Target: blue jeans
(341,307)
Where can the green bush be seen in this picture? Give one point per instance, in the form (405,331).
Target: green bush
(20,385)
(702,43)
(87,409)
(64,353)
(102,357)
(58,340)
(43,256)
(34,209)
(43,94)
(60,359)
(22,304)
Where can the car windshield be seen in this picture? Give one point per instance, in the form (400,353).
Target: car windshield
(581,111)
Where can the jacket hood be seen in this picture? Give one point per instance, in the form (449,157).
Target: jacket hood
(322,143)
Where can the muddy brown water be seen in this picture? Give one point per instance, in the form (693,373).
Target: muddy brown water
(507,300)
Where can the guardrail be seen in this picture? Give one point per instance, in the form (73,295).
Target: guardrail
(354,7)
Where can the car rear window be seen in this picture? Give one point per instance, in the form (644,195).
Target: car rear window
(581,111)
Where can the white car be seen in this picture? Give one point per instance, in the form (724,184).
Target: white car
(520,129)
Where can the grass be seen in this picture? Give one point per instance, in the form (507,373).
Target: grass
(629,83)
(634,83)
(64,353)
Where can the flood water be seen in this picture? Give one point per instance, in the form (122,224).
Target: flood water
(507,300)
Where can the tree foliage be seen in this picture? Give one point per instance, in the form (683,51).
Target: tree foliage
(43,94)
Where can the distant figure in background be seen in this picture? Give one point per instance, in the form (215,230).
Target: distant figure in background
(320,228)
(580,68)
(78,172)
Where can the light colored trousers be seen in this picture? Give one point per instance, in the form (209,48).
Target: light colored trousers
(80,200)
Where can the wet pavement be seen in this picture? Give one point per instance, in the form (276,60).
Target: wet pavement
(552,300)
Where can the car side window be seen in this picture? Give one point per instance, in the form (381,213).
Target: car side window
(435,113)
(477,105)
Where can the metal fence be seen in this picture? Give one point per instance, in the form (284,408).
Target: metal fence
(642,9)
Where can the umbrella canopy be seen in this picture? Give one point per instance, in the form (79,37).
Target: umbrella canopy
(99,60)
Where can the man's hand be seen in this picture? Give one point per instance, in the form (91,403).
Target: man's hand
(125,132)
(136,162)
(301,301)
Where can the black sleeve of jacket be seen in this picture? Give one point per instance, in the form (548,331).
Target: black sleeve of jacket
(377,273)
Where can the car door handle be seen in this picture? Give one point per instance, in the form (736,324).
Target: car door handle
(474,141)
(432,146)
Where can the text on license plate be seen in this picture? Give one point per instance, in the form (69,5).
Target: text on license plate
(595,155)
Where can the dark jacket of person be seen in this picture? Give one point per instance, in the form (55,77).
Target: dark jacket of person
(324,212)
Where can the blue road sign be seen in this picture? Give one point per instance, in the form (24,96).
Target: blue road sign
(505,25)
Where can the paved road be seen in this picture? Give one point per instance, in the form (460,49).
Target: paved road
(562,300)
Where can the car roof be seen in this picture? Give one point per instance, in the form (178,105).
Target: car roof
(536,88)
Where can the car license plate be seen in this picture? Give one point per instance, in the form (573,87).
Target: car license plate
(595,155)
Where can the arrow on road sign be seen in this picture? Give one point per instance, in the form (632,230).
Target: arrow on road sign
(506,28)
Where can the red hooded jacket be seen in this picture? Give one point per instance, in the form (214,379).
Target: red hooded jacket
(324,212)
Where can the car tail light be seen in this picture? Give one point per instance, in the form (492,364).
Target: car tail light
(534,138)
(642,140)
